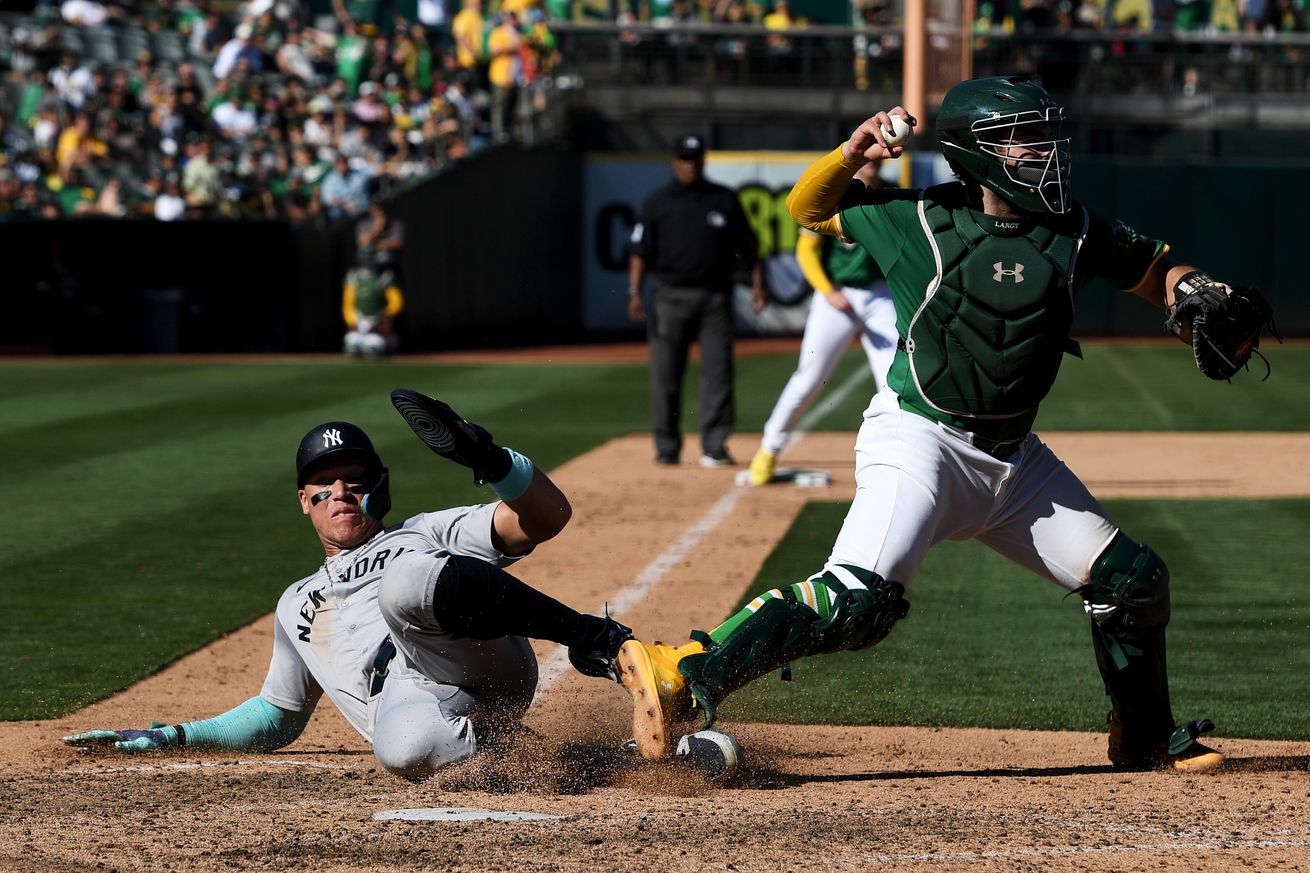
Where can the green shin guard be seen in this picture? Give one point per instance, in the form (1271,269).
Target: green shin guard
(1128,600)
(782,630)
(777,633)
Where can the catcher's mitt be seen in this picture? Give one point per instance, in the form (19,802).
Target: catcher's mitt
(1226,323)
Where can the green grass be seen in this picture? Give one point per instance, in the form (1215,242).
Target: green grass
(989,644)
(153,507)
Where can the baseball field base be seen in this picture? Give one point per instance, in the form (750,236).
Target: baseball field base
(801,478)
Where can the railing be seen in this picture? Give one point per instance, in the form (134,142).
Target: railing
(1076,62)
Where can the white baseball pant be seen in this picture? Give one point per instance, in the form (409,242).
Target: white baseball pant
(827,334)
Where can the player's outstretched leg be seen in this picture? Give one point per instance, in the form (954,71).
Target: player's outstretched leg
(1127,598)
(478,600)
(822,614)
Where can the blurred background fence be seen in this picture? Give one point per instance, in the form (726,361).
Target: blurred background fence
(1194,134)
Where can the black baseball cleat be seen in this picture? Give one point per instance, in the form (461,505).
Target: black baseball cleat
(1181,751)
(598,656)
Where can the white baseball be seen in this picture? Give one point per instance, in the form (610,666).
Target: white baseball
(898,132)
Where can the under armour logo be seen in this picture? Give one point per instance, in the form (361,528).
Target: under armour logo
(1001,272)
(331,437)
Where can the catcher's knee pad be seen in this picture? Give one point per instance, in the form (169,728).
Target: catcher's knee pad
(777,633)
(1129,587)
(861,617)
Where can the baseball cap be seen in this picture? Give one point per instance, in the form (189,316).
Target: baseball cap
(688,147)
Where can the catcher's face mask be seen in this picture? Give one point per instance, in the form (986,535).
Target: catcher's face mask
(1005,133)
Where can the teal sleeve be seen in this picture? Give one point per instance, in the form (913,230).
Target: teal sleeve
(255,725)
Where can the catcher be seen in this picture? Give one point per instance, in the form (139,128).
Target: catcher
(984,274)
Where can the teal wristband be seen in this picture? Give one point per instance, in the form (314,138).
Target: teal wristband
(517,480)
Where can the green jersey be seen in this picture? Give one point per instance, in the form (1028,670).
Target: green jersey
(984,304)
(848,264)
(370,290)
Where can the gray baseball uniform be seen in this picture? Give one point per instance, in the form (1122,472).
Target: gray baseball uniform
(331,624)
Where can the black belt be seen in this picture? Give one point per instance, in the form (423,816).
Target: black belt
(379,668)
(998,449)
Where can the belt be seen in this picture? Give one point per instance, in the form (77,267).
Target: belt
(379,668)
(998,449)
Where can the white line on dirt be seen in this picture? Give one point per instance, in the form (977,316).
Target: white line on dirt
(205,765)
(1065,851)
(828,403)
(652,574)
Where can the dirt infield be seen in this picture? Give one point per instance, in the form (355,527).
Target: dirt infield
(813,798)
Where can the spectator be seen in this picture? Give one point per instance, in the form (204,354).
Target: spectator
(200,179)
(293,59)
(468,29)
(170,205)
(75,139)
(233,51)
(318,128)
(345,190)
(369,108)
(351,51)
(234,116)
(691,236)
(140,115)
(503,46)
(72,81)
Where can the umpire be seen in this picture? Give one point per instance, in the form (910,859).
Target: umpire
(691,236)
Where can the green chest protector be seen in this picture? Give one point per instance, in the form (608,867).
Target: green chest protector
(988,338)
(371,291)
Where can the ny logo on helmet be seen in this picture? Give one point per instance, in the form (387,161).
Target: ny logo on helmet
(1001,272)
(331,437)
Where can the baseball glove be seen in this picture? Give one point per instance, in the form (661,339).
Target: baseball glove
(1226,323)
(450,436)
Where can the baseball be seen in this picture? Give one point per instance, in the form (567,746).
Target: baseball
(898,132)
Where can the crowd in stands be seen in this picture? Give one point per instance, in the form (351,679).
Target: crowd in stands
(177,108)
(268,109)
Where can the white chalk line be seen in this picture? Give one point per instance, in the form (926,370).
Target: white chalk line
(830,401)
(553,668)
(205,765)
(1066,851)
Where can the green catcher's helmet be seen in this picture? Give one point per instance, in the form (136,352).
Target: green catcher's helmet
(980,122)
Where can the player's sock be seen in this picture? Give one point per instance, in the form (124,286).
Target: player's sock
(478,600)
(812,592)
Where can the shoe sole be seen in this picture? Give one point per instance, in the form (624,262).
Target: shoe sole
(650,724)
(1206,762)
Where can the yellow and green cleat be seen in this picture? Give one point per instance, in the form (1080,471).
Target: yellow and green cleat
(761,469)
(660,696)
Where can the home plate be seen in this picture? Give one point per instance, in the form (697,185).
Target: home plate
(460,813)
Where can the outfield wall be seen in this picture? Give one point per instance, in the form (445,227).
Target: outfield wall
(528,247)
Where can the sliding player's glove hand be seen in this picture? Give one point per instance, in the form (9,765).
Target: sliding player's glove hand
(450,436)
(160,736)
(1226,326)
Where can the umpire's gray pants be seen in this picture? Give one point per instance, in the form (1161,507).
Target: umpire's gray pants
(444,692)
(678,316)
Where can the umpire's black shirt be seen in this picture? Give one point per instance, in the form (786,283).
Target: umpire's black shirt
(692,235)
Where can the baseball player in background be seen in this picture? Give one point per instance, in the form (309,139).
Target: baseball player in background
(984,272)
(414,631)
(370,302)
(851,299)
